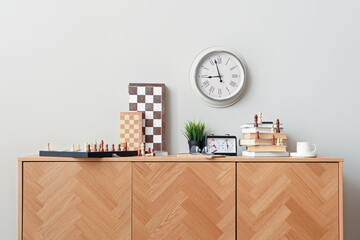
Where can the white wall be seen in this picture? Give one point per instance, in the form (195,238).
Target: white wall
(65,67)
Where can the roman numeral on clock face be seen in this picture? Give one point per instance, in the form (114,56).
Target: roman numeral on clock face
(235,75)
(232,83)
(206,84)
(211,89)
(211,61)
(219,60)
(232,68)
(219,91)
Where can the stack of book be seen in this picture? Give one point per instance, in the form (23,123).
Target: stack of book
(264,140)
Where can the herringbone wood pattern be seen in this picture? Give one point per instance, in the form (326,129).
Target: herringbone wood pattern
(184,201)
(287,201)
(74,200)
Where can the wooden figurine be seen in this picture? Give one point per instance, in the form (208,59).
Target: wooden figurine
(113,148)
(78,148)
(272,129)
(142,149)
(281,142)
(257,135)
(95,147)
(85,146)
(256,121)
(278,142)
(125,146)
(273,140)
(48,147)
(88,148)
(260,117)
(73,148)
(119,147)
(106,147)
(277,126)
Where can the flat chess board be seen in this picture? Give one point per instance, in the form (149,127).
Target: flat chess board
(81,154)
(150,100)
(131,129)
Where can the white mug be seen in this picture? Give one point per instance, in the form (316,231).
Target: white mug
(305,148)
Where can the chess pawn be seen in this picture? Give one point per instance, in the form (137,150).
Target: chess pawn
(260,117)
(113,148)
(106,147)
(88,148)
(273,140)
(48,147)
(91,146)
(278,142)
(256,121)
(153,152)
(125,146)
(257,135)
(85,146)
(95,147)
(272,129)
(119,147)
(281,142)
(73,147)
(78,148)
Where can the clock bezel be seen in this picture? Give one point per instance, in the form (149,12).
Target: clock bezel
(219,103)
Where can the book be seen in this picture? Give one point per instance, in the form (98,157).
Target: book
(265,154)
(260,142)
(265,135)
(258,129)
(271,148)
(262,125)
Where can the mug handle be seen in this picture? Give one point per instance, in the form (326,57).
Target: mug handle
(314,151)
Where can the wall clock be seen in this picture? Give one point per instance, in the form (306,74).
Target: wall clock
(218,76)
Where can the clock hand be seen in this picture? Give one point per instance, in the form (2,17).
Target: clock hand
(218,70)
(213,76)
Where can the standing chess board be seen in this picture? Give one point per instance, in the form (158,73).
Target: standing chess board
(150,100)
(131,129)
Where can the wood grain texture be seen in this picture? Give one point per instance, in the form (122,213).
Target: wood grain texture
(74,200)
(341,202)
(184,201)
(174,158)
(287,201)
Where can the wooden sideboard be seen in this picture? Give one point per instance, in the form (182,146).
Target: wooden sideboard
(180,198)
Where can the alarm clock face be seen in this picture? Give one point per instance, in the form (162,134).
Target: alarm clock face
(218,76)
(222,145)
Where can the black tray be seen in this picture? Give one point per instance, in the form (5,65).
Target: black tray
(75,154)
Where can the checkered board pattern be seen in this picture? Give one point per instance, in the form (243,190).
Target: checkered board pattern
(131,129)
(150,100)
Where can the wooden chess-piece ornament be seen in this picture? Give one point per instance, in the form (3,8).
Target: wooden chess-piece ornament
(273,140)
(272,129)
(106,147)
(278,142)
(113,147)
(256,121)
(48,147)
(281,142)
(119,147)
(142,149)
(78,148)
(260,117)
(257,135)
(88,148)
(277,126)
(125,146)
(95,147)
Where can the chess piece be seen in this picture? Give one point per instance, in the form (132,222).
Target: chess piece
(125,146)
(102,144)
(260,117)
(91,146)
(119,147)
(78,148)
(281,142)
(73,148)
(142,149)
(257,135)
(273,140)
(153,152)
(85,146)
(272,129)
(139,152)
(48,147)
(277,126)
(88,148)
(107,148)
(149,150)
(256,121)
(95,147)
(278,142)
(113,147)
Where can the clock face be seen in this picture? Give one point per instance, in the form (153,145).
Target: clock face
(218,76)
(221,145)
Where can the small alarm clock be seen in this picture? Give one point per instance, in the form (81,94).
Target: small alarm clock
(221,144)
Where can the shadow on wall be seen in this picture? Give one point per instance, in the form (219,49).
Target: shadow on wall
(351,209)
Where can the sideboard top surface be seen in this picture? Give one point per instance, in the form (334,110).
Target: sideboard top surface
(175,158)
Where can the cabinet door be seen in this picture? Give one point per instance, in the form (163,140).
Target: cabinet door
(76,200)
(184,201)
(287,201)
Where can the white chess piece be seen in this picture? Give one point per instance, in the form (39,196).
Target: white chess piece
(260,117)
(48,147)
(272,129)
(278,142)
(73,147)
(85,146)
(78,148)
(281,142)
(142,149)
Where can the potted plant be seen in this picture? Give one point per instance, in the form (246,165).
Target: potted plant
(195,133)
